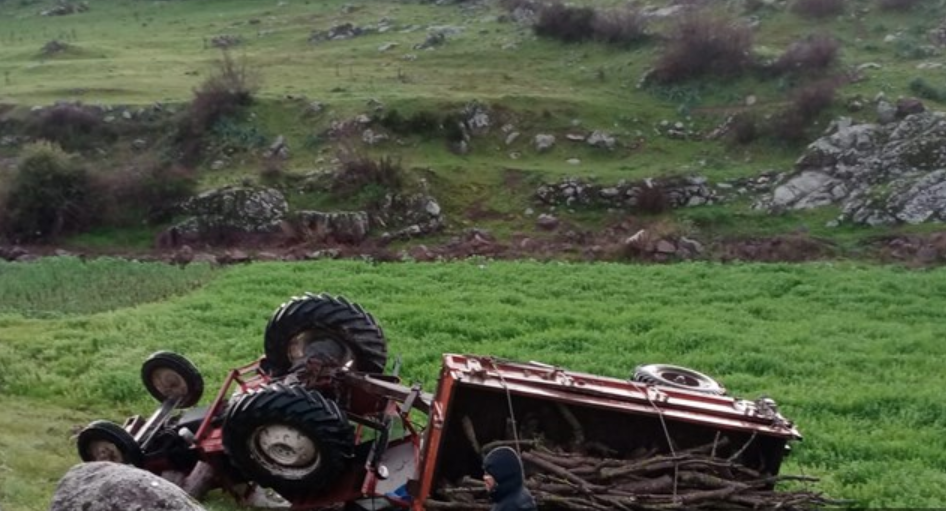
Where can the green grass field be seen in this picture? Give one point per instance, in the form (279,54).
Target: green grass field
(853,354)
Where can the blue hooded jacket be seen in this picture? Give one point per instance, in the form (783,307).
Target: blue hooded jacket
(510,493)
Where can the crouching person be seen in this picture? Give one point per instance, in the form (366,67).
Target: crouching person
(505,481)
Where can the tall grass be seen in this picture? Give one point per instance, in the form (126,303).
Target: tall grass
(60,286)
(852,354)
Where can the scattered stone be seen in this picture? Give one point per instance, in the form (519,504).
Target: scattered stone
(139,144)
(330,253)
(225,41)
(387,47)
(218,165)
(574,137)
(337,33)
(279,148)
(65,8)
(54,47)
(314,108)
(434,39)
(886,113)
(573,161)
(544,143)
(373,138)
(547,222)
(512,137)
(103,486)
(601,140)
(665,247)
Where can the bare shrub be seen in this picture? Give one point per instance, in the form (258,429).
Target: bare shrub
(897,5)
(745,128)
(229,87)
(360,173)
(272,170)
(806,104)
(72,127)
(818,9)
(565,23)
(814,53)
(620,27)
(49,195)
(703,45)
(814,98)
(149,190)
(652,199)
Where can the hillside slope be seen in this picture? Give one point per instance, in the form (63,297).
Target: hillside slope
(399,59)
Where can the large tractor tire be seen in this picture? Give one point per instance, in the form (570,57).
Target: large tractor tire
(677,377)
(289,439)
(325,327)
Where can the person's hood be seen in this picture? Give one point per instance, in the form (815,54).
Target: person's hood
(506,468)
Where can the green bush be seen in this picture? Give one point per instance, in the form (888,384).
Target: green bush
(49,195)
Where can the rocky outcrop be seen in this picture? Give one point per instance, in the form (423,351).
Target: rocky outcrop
(340,226)
(878,174)
(105,486)
(409,215)
(649,194)
(233,209)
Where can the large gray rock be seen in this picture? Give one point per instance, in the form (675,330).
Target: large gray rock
(103,486)
(234,209)
(878,174)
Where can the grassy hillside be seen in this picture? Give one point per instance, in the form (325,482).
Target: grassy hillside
(851,353)
(134,53)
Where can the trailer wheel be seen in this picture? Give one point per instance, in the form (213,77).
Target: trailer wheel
(325,327)
(677,377)
(288,439)
(166,375)
(107,441)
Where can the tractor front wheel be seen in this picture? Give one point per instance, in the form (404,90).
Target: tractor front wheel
(107,441)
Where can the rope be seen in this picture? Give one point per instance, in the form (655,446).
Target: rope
(673,452)
(512,413)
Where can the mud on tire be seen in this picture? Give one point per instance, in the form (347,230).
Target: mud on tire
(289,439)
(326,327)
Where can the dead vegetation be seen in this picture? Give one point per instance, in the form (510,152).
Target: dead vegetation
(230,87)
(704,45)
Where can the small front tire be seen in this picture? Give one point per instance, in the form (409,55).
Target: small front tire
(169,375)
(107,441)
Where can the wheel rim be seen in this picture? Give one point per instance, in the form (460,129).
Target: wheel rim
(321,344)
(103,450)
(284,450)
(681,378)
(169,383)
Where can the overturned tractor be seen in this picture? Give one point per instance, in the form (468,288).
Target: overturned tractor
(318,423)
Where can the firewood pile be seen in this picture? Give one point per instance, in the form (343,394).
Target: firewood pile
(585,475)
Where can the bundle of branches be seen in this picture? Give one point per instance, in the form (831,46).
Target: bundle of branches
(569,478)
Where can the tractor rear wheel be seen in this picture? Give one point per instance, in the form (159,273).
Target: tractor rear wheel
(289,439)
(324,327)
(107,441)
(677,377)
